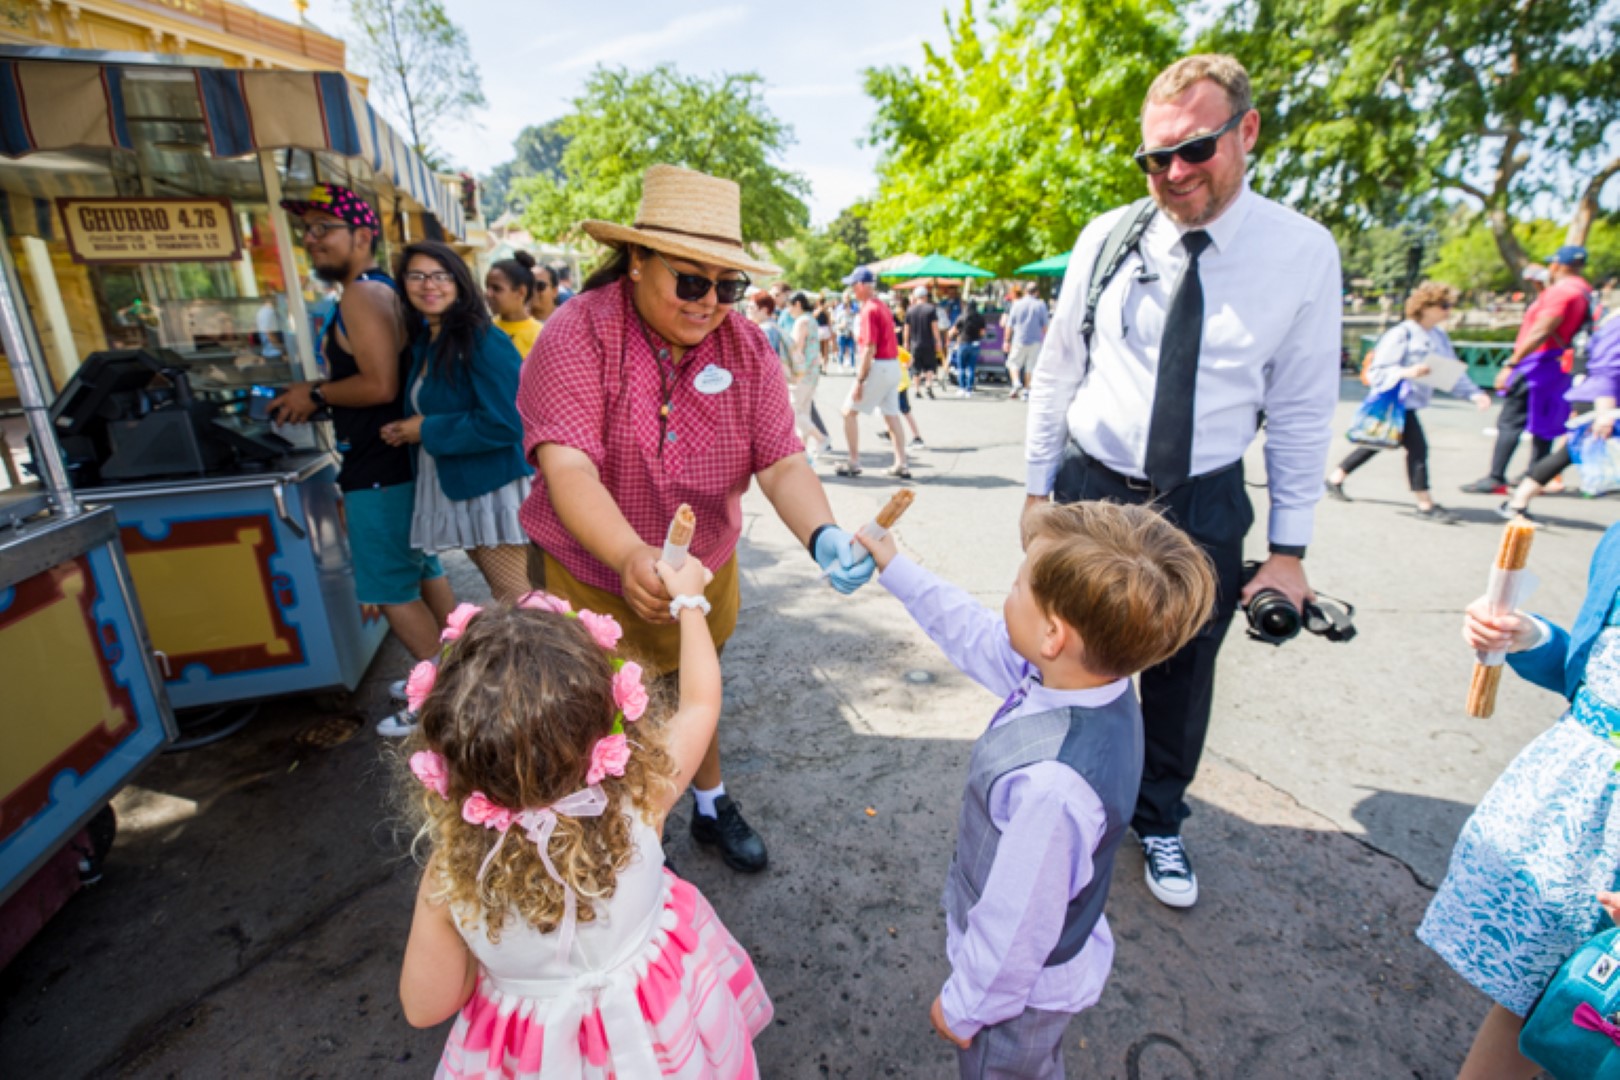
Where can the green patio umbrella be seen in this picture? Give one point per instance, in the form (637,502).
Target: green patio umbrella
(1056,266)
(937,266)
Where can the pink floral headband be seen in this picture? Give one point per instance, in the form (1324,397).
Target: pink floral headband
(611,753)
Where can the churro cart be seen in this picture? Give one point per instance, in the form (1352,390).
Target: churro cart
(172,548)
(173,302)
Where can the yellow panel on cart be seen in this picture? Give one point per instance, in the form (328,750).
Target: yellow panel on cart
(58,711)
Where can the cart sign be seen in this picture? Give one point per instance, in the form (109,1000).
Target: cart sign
(150,230)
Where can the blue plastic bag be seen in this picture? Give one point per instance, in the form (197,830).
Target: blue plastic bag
(1380,421)
(1599,461)
(1572,1029)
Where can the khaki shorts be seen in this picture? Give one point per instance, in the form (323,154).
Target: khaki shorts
(882,391)
(1023,357)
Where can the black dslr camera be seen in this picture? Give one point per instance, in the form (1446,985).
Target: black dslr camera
(1273,619)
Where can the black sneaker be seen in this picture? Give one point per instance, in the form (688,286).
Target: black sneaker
(1437,514)
(740,846)
(1336,491)
(1490,485)
(1169,874)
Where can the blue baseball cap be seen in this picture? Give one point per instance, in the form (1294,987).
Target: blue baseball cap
(1569,255)
(863,275)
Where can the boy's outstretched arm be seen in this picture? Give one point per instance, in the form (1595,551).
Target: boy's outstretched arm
(973,638)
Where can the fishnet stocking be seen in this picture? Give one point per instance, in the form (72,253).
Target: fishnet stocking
(506,568)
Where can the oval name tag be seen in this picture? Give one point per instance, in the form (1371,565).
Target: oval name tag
(711,380)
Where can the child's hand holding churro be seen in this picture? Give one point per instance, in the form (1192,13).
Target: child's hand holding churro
(1510,633)
(883,548)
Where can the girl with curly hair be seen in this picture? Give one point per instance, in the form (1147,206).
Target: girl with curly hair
(545,917)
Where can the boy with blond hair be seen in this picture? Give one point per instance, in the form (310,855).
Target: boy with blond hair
(1104,592)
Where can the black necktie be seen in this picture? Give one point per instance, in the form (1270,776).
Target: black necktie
(1170,431)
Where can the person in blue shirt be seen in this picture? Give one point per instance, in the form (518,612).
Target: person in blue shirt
(461,407)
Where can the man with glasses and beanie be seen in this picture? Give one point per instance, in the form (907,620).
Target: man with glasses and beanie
(646,391)
(363,345)
(1222,308)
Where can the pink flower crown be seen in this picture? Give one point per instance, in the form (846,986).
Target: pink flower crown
(611,753)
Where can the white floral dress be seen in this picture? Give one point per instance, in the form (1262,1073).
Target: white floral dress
(1520,895)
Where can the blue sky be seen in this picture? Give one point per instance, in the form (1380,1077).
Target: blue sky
(535,57)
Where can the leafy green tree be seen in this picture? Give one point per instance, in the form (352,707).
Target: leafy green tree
(1001,146)
(421,69)
(1469,259)
(537,152)
(1370,105)
(815,259)
(624,122)
(849,228)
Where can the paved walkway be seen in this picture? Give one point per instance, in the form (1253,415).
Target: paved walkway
(254,910)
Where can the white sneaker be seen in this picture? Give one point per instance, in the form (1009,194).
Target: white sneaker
(397,725)
(396,690)
(1169,874)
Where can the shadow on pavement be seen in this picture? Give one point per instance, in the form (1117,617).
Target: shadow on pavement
(255,907)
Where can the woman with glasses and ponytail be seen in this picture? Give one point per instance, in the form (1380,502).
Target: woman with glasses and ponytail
(460,406)
(1400,360)
(647,391)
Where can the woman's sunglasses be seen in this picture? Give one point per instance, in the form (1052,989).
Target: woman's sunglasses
(1194,151)
(696,286)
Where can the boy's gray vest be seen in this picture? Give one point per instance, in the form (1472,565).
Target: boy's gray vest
(1103,745)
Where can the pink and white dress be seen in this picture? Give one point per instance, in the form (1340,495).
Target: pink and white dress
(654,986)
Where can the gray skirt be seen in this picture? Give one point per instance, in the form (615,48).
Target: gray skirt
(441,523)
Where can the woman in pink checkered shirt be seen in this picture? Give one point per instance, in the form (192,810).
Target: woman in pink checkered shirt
(645,392)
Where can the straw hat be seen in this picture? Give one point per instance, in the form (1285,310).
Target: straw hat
(687,214)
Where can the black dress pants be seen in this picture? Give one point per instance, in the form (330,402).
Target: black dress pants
(1215,511)
(1510,425)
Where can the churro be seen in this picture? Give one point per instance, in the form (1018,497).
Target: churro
(1512,556)
(897,505)
(679,538)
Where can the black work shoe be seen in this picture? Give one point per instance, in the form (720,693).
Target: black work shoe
(740,846)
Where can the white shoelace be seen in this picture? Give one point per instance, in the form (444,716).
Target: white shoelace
(1168,856)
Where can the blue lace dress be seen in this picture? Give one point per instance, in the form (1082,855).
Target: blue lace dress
(1520,895)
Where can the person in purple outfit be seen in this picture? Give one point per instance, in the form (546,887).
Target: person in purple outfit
(1597,394)
(1533,379)
(1104,592)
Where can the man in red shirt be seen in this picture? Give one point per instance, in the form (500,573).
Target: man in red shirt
(1533,379)
(877,375)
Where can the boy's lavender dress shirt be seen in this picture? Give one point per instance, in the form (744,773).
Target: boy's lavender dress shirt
(1050,819)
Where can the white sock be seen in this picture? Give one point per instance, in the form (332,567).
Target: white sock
(705,799)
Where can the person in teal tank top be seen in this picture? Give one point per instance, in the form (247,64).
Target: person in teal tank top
(1521,893)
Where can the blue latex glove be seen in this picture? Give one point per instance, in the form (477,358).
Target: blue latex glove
(848,565)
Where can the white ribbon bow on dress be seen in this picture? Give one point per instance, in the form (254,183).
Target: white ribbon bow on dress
(538,825)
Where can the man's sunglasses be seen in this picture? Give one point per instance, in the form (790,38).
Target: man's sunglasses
(696,286)
(1194,151)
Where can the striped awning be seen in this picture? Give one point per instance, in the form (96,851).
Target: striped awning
(61,105)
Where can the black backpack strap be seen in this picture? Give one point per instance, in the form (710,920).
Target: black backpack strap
(1124,238)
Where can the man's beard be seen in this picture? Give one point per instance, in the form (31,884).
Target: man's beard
(332,275)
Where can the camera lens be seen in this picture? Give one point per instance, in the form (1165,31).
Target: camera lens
(1272,617)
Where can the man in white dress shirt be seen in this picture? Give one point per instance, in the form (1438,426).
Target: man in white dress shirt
(1226,313)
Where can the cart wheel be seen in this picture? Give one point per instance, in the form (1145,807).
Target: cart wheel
(332,702)
(101,830)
